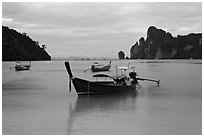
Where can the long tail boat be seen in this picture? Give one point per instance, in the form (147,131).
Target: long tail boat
(117,85)
(96,67)
(21,67)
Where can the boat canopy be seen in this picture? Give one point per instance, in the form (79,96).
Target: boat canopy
(125,68)
(101,75)
(114,77)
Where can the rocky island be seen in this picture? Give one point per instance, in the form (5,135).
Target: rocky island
(162,45)
(20,47)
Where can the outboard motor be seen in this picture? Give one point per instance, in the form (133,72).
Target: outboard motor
(133,76)
(120,81)
(92,67)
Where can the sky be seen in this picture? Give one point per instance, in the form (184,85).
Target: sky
(98,29)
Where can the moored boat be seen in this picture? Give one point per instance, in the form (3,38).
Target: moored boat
(96,67)
(21,67)
(117,85)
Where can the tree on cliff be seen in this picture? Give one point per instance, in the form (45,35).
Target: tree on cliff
(121,55)
(44,47)
(17,46)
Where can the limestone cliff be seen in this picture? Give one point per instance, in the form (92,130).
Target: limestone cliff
(161,44)
(121,55)
(134,51)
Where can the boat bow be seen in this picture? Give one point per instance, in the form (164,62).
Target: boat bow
(67,65)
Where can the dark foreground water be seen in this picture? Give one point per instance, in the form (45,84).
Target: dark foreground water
(38,102)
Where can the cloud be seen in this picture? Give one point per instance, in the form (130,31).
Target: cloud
(115,26)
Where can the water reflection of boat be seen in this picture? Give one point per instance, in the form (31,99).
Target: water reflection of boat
(89,106)
(102,101)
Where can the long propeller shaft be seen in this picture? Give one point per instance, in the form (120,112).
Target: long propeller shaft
(143,79)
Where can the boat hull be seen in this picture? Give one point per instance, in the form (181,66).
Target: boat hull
(98,69)
(22,68)
(88,87)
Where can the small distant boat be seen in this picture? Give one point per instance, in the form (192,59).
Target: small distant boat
(96,67)
(22,67)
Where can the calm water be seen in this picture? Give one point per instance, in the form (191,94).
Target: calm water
(38,101)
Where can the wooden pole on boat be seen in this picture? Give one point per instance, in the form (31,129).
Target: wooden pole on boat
(70,73)
(68,69)
(158,81)
(116,69)
(109,63)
